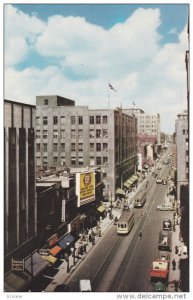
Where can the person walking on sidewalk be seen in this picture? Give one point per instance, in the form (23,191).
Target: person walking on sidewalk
(174,264)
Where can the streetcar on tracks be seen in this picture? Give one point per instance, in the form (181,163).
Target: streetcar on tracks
(125,222)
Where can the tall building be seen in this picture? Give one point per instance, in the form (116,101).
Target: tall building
(69,135)
(182,154)
(19,176)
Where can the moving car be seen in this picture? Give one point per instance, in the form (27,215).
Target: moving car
(85,285)
(159,287)
(166,207)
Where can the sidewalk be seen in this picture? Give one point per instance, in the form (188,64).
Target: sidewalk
(174,275)
(66,269)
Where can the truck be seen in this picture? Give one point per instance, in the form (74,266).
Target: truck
(159,270)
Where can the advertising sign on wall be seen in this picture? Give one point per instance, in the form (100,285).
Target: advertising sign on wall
(85,187)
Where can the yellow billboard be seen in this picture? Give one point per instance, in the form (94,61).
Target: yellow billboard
(85,183)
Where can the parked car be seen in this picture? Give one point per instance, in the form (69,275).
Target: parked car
(167,207)
(159,180)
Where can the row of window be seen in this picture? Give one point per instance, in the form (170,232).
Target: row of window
(74,161)
(99,147)
(98,133)
(79,119)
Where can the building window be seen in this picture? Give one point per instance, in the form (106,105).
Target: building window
(38,134)
(45,134)
(55,147)
(45,160)
(98,119)
(92,161)
(80,133)
(105,133)
(91,147)
(73,134)
(45,121)
(63,160)
(55,160)
(38,147)
(46,102)
(98,133)
(38,121)
(91,119)
(73,120)
(55,120)
(91,133)
(80,147)
(73,160)
(62,120)
(62,134)
(105,120)
(105,160)
(45,147)
(80,161)
(73,147)
(62,147)
(98,147)
(98,161)
(105,146)
(55,134)
(80,120)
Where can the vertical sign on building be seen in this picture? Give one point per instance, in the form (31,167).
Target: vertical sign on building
(85,187)
(63,211)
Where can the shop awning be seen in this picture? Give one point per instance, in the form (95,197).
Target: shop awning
(101,209)
(66,241)
(134,178)
(49,259)
(17,282)
(129,182)
(35,264)
(120,192)
(127,185)
(55,250)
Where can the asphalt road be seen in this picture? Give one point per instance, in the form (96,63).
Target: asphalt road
(122,263)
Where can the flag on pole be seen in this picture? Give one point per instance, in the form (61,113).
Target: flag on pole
(133,103)
(111,87)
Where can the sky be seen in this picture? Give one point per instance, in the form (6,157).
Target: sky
(75,50)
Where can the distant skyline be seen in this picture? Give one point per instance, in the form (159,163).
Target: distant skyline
(73,50)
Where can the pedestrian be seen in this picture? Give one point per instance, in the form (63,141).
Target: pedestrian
(174,264)
(140,234)
(90,238)
(176,249)
(176,285)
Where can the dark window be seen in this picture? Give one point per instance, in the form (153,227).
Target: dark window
(73,147)
(45,120)
(98,147)
(38,147)
(98,161)
(105,120)
(55,120)
(80,120)
(73,120)
(55,147)
(91,119)
(98,119)
(46,102)
(98,133)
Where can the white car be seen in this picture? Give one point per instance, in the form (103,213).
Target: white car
(166,207)
(85,285)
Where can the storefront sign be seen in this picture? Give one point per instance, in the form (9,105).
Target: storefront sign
(52,240)
(63,211)
(17,265)
(44,252)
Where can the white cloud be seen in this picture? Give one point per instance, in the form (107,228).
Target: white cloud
(85,56)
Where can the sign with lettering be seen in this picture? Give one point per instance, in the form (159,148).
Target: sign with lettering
(85,187)
(17,265)
(44,252)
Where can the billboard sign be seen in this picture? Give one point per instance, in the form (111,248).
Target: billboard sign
(85,187)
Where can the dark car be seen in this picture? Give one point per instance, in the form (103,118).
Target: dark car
(61,288)
(159,287)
